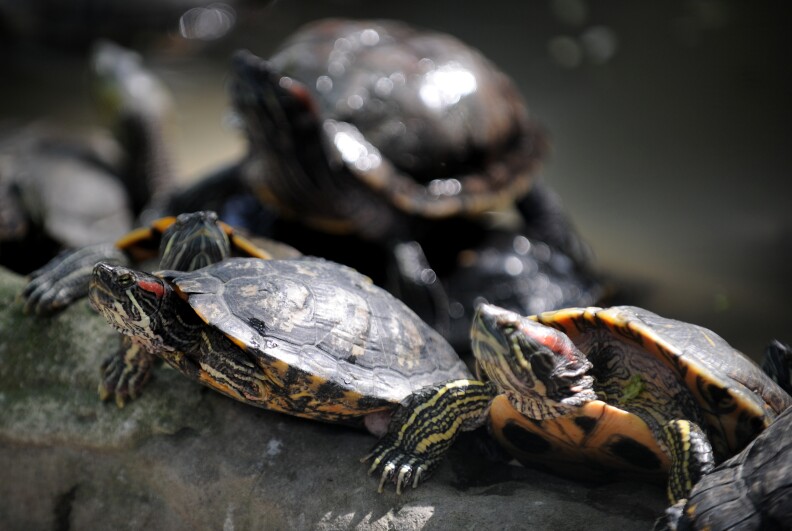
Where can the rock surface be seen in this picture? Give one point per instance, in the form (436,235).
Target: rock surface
(184,457)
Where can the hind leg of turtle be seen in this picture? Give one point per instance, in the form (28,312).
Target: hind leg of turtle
(424,427)
(125,373)
(691,457)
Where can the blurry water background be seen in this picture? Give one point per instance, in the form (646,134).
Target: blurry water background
(670,121)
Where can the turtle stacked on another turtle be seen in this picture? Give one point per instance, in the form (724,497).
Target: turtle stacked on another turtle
(388,148)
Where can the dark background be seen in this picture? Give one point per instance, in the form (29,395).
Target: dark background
(670,121)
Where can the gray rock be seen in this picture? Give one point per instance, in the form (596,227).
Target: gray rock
(184,457)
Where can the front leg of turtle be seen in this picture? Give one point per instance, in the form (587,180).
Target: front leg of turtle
(65,278)
(416,283)
(125,372)
(425,426)
(546,221)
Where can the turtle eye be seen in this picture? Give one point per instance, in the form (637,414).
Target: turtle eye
(125,280)
(508,330)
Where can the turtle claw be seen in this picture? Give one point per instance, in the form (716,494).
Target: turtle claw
(65,278)
(387,474)
(400,479)
(403,468)
(125,373)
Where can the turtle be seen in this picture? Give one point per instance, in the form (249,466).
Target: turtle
(377,134)
(750,491)
(60,189)
(386,120)
(354,125)
(186,242)
(56,191)
(596,392)
(304,336)
(134,104)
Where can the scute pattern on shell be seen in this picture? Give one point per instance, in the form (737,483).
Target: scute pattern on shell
(322,318)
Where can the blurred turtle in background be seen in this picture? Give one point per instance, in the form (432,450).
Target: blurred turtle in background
(134,104)
(56,191)
(389,148)
(59,189)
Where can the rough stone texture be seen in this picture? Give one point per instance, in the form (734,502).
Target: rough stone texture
(184,457)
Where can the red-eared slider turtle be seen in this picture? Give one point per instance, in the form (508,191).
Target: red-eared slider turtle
(184,243)
(592,389)
(63,189)
(750,491)
(355,124)
(307,337)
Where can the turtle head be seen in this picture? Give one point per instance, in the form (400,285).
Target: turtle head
(194,241)
(123,85)
(289,163)
(538,368)
(278,111)
(131,301)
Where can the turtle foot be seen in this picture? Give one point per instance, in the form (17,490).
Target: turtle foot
(124,374)
(397,465)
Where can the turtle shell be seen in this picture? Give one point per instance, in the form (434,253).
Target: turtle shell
(444,120)
(353,346)
(145,243)
(719,388)
(752,490)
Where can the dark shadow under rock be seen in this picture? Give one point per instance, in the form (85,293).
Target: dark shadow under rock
(184,457)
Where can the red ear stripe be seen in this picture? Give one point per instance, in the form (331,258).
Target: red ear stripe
(152,287)
(301,94)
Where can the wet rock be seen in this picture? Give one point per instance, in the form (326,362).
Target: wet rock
(184,457)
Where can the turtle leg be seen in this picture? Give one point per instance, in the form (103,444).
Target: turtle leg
(545,220)
(424,427)
(416,283)
(125,372)
(777,364)
(691,458)
(66,277)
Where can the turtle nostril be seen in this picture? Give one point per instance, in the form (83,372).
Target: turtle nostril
(102,269)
